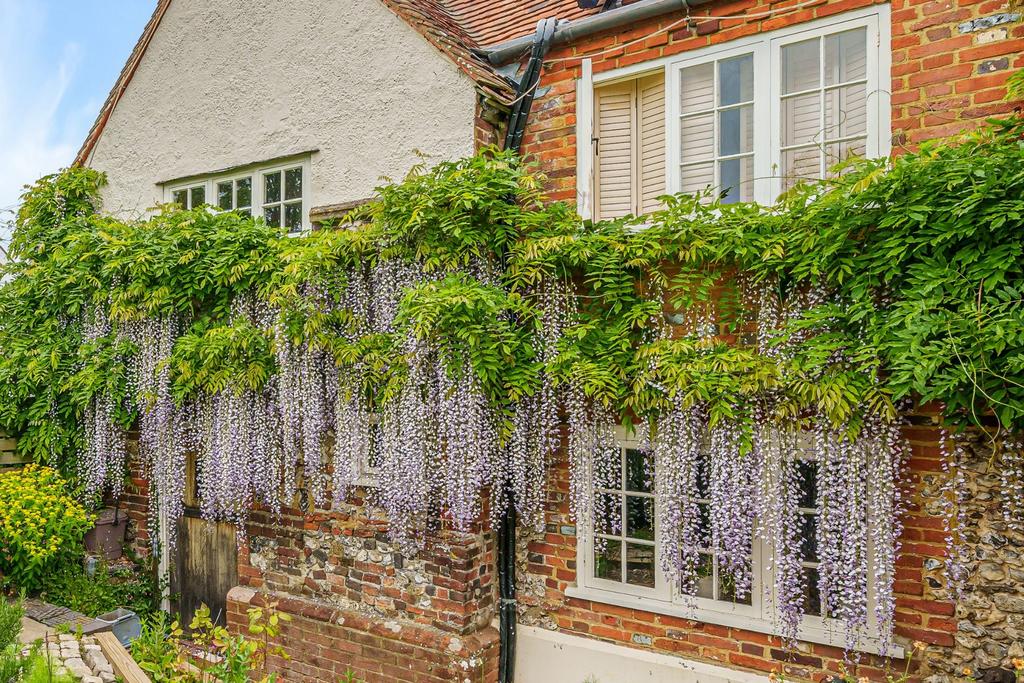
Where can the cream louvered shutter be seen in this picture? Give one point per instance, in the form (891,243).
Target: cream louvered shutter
(629,124)
(651,123)
(614,124)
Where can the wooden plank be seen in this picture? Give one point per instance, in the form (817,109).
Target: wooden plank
(13,459)
(122,662)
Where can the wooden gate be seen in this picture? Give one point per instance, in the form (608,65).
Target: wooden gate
(206,562)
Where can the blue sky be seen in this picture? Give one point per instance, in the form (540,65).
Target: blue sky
(58,60)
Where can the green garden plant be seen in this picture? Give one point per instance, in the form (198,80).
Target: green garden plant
(41,526)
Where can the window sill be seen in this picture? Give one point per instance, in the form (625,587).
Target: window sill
(807,633)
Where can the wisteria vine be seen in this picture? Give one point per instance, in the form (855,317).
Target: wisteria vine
(437,342)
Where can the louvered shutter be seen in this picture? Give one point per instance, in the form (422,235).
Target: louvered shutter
(629,123)
(614,123)
(651,120)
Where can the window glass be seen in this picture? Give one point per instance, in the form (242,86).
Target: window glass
(716,134)
(272,215)
(272,187)
(293,183)
(807,473)
(715,582)
(197,196)
(243,192)
(630,527)
(824,103)
(180,197)
(224,196)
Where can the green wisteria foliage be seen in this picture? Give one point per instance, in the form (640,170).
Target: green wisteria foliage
(458,318)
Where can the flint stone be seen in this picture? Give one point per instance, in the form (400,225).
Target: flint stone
(1009,603)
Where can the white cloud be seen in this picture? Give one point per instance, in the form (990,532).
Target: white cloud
(34,138)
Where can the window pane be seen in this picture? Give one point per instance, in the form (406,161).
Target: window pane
(243,192)
(736,80)
(224,196)
(727,588)
(737,179)
(293,183)
(198,196)
(697,177)
(608,513)
(703,535)
(271,188)
(293,216)
(809,538)
(812,596)
(800,164)
(640,565)
(180,197)
(801,122)
(841,151)
(697,88)
(706,577)
(846,56)
(608,561)
(272,214)
(640,518)
(846,111)
(807,473)
(800,68)
(639,467)
(703,475)
(736,130)
(697,137)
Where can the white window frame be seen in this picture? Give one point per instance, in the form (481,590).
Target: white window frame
(233,179)
(665,598)
(255,171)
(766,49)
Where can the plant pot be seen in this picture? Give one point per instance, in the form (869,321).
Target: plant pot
(123,623)
(106,538)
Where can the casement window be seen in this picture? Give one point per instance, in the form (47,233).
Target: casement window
(189,197)
(621,564)
(744,120)
(277,193)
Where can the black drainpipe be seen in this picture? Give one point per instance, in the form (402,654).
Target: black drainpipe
(525,93)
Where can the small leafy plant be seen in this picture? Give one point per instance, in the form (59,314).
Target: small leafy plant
(168,657)
(41,526)
(71,587)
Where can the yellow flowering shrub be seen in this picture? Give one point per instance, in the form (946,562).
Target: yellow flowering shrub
(41,525)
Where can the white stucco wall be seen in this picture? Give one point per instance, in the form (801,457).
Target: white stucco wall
(233,82)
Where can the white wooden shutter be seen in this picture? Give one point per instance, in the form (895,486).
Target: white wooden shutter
(629,124)
(614,124)
(651,119)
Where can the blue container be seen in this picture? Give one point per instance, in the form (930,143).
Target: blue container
(124,624)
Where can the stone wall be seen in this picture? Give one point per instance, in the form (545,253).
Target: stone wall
(990,614)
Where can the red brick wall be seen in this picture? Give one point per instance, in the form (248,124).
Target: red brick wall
(923,610)
(344,557)
(324,643)
(943,81)
(135,502)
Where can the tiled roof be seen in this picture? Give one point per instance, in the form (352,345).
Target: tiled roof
(494,21)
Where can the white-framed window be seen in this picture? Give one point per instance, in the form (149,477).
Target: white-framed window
(746,119)
(189,197)
(368,462)
(620,563)
(277,192)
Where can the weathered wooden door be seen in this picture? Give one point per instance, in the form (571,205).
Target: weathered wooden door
(206,562)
